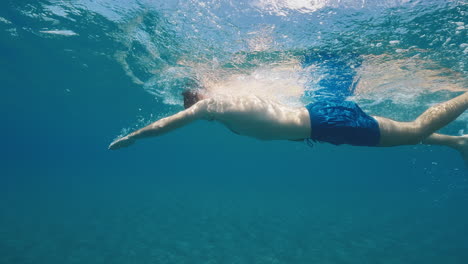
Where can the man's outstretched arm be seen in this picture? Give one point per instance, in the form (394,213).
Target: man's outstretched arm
(164,125)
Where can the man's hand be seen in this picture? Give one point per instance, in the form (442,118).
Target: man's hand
(121,143)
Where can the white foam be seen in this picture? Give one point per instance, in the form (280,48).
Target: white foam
(13,32)
(281,82)
(282,7)
(65,32)
(286,7)
(5,21)
(57,10)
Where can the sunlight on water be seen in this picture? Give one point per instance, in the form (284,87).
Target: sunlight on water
(257,47)
(281,7)
(288,7)
(283,83)
(404,77)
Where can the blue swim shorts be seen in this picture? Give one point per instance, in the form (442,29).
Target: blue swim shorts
(342,122)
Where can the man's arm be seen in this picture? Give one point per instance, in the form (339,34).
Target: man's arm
(164,125)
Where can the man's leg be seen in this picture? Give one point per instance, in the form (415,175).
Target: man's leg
(459,143)
(455,142)
(394,133)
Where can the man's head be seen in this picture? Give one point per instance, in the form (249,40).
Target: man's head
(191,97)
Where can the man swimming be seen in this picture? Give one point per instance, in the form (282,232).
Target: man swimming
(333,121)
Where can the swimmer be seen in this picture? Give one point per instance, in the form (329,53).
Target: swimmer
(333,121)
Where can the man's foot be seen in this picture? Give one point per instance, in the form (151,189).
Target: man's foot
(121,143)
(463,148)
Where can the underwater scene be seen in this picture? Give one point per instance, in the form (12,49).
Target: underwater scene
(77,74)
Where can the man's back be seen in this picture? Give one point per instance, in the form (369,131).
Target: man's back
(259,118)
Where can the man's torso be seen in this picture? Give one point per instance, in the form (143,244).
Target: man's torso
(260,118)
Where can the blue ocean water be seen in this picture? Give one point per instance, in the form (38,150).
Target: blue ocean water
(77,74)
